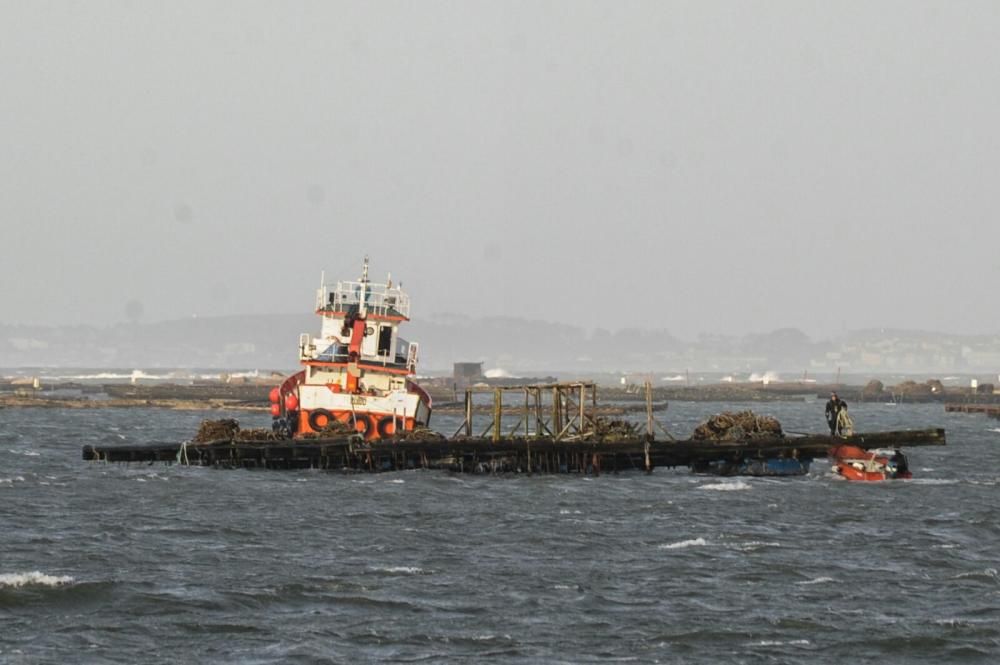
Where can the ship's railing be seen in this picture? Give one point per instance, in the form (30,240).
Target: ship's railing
(379,299)
(411,356)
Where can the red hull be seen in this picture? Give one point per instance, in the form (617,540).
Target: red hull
(855,463)
(851,473)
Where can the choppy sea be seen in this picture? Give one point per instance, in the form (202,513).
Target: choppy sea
(168,564)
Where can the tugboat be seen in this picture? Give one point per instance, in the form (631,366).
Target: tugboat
(855,463)
(356,375)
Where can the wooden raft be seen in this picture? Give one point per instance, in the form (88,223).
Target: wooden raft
(991,410)
(488,455)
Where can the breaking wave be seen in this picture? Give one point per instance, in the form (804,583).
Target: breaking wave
(726,487)
(694,542)
(816,580)
(398,570)
(34,578)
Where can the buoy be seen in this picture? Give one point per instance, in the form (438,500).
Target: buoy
(291,402)
(274,395)
(275,410)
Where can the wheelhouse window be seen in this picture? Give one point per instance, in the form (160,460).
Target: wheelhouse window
(384,340)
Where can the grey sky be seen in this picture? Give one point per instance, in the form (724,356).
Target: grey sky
(723,167)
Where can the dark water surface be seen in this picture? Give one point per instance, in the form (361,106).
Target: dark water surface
(140,564)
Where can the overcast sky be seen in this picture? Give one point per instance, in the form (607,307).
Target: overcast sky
(695,166)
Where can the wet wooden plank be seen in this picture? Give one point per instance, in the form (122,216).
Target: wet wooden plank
(528,453)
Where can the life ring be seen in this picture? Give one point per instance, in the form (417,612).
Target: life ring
(363,424)
(386,426)
(319,419)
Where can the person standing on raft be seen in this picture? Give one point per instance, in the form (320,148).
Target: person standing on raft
(833,409)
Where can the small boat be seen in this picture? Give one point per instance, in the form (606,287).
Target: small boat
(854,463)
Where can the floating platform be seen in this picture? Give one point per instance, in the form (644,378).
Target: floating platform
(498,455)
(991,410)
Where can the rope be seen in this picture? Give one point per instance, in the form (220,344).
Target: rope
(182,454)
(845,425)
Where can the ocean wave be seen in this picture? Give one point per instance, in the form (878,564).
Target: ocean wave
(134,374)
(726,487)
(34,578)
(752,545)
(398,570)
(957,622)
(989,573)
(489,637)
(11,481)
(694,542)
(779,643)
(816,580)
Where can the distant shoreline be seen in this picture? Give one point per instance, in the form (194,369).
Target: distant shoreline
(253,397)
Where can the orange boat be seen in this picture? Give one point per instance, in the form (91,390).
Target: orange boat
(358,371)
(854,463)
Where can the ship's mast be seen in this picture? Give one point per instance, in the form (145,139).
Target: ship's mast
(363,305)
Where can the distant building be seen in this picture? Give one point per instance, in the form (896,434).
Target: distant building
(467,373)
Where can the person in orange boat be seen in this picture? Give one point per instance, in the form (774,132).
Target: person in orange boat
(833,409)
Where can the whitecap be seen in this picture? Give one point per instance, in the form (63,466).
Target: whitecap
(752,545)
(960,623)
(11,481)
(817,580)
(726,487)
(694,542)
(399,570)
(988,572)
(34,578)
(779,643)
